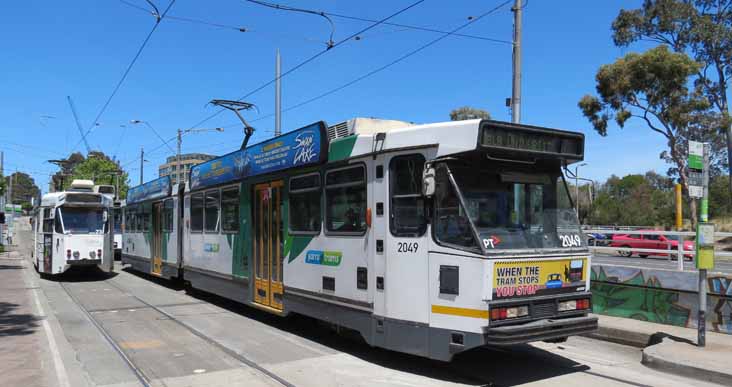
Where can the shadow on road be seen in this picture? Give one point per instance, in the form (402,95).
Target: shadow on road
(497,366)
(81,274)
(15,324)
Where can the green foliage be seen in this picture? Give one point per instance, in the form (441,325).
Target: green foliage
(653,87)
(468,113)
(2,187)
(634,200)
(702,29)
(97,167)
(24,187)
(720,205)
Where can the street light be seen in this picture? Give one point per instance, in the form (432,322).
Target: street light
(154,131)
(180,141)
(576,187)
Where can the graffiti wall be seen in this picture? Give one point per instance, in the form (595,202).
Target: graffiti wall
(661,296)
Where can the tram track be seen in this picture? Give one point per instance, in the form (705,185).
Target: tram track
(144,379)
(141,377)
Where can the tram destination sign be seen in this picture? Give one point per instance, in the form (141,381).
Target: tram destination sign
(301,147)
(516,138)
(154,189)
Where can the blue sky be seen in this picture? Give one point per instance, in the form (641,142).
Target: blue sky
(81,48)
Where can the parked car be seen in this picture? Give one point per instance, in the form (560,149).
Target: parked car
(658,242)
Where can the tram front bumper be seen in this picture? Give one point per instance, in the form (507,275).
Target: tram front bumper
(545,329)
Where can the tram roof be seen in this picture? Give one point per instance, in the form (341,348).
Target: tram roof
(455,137)
(53,199)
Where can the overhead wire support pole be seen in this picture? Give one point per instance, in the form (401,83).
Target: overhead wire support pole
(142,164)
(516,82)
(278,95)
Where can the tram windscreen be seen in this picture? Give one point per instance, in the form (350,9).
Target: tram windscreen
(510,210)
(81,220)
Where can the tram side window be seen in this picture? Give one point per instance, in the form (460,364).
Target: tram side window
(197,212)
(131,221)
(230,209)
(345,198)
(212,212)
(305,204)
(407,218)
(168,215)
(47,221)
(143,218)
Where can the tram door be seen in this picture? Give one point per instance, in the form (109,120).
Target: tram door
(157,238)
(268,244)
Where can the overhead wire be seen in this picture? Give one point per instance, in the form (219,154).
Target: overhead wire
(126,72)
(419,28)
(302,10)
(222,25)
(313,57)
(395,61)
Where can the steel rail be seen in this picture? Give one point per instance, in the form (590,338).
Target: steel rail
(205,338)
(144,380)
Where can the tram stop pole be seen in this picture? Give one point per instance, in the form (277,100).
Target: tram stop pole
(699,187)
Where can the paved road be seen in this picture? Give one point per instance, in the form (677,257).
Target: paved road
(176,339)
(721,265)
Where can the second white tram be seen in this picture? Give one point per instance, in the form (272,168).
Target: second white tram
(426,239)
(72,228)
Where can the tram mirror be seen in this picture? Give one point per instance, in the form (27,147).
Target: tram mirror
(428,181)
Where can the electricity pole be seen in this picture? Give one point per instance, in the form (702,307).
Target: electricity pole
(516,89)
(142,163)
(177,158)
(278,96)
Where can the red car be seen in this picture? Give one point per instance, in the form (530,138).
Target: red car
(658,242)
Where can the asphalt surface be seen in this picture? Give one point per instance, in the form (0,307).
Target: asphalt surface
(129,329)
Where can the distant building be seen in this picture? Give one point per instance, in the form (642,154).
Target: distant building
(187,160)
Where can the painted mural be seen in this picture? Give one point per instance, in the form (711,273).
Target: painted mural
(661,296)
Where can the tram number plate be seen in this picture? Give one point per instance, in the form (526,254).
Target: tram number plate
(407,247)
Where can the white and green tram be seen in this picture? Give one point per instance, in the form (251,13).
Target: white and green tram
(72,229)
(426,239)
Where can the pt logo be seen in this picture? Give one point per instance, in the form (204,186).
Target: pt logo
(491,242)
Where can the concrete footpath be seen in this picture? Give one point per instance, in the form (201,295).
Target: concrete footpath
(673,349)
(24,356)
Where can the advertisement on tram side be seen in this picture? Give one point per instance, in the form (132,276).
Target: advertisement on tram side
(512,279)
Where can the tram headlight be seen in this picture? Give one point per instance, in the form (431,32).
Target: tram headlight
(518,311)
(92,254)
(567,305)
(76,255)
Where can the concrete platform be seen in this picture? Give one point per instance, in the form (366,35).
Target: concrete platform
(672,349)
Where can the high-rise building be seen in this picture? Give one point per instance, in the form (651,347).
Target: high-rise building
(187,160)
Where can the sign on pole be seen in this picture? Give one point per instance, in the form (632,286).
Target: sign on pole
(695,162)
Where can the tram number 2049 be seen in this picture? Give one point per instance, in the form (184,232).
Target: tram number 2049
(407,247)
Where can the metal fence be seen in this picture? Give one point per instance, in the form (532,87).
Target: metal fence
(639,243)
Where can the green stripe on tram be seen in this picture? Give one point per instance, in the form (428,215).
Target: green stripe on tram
(340,149)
